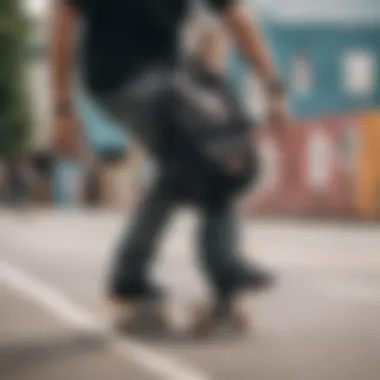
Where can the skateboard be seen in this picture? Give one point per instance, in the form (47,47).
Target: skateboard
(140,316)
(151,318)
(220,314)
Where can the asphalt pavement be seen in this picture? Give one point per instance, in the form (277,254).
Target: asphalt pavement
(322,321)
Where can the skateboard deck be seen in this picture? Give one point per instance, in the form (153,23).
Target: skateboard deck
(136,316)
(151,318)
(228,314)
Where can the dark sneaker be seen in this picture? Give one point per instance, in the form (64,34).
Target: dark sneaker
(242,278)
(135,290)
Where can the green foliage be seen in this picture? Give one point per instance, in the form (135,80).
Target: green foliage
(14,108)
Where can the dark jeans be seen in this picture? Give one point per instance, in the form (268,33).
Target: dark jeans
(140,106)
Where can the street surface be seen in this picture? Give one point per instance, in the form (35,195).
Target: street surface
(322,322)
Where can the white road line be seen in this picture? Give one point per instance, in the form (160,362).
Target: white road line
(68,312)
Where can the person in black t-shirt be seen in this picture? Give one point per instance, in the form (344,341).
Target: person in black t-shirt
(130,64)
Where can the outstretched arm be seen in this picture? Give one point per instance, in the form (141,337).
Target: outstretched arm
(247,36)
(66,132)
(62,51)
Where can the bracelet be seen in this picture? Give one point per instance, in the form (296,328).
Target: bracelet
(277,88)
(63,109)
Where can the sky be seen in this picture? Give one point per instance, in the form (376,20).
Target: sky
(36,7)
(293,9)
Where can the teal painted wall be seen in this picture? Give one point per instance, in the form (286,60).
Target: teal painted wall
(67,176)
(102,132)
(325,46)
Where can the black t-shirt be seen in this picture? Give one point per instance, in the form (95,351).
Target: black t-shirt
(124,36)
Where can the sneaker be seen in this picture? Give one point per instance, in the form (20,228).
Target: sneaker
(135,290)
(248,277)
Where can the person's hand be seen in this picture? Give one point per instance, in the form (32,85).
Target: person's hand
(278,112)
(279,117)
(67,135)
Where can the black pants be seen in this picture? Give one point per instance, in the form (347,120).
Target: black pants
(141,106)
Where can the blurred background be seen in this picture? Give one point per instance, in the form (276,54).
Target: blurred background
(321,322)
(327,52)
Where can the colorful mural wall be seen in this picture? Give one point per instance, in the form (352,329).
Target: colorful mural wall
(327,167)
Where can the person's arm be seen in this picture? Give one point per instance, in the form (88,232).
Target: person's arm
(247,36)
(62,53)
(67,138)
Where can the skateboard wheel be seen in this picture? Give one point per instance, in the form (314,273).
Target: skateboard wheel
(201,328)
(123,316)
(240,320)
(201,324)
(139,316)
(160,318)
(223,315)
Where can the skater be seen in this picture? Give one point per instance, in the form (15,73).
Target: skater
(133,66)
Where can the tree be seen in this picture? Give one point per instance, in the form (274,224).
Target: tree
(15,118)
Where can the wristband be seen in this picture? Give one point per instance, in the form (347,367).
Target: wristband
(63,109)
(276,88)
